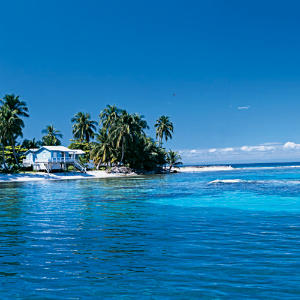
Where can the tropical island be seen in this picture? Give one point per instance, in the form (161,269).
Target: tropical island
(117,143)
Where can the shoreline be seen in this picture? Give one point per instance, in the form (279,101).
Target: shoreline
(28,177)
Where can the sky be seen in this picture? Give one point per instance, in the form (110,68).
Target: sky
(226,72)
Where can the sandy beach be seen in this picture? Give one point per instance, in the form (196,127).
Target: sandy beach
(39,176)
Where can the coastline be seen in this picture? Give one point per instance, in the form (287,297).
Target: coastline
(40,176)
(27,177)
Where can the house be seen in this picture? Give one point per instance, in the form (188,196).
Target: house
(53,158)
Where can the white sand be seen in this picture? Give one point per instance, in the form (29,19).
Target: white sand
(38,176)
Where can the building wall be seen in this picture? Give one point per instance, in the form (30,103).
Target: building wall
(42,155)
(42,167)
(29,157)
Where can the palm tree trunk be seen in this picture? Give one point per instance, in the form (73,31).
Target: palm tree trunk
(98,165)
(3,158)
(14,152)
(123,150)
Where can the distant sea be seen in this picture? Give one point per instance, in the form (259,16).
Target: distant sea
(218,232)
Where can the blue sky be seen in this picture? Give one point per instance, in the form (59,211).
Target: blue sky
(226,72)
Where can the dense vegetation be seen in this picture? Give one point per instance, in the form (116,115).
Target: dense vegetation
(119,139)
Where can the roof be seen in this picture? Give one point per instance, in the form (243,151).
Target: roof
(63,149)
(78,151)
(31,150)
(57,148)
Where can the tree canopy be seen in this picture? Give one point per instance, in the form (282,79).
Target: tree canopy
(83,127)
(119,139)
(51,137)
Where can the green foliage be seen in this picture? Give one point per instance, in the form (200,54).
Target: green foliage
(12,111)
(31,144)
(173,159)
(164,128)
(83,127)
(122,141)
(121,138)
(9,157)
(84,146)
(52,136)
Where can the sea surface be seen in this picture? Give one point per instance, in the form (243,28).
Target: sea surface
(214,233)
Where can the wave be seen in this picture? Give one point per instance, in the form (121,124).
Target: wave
(267,168)
(205,169)
(263,182)
(217,181)
(194,169)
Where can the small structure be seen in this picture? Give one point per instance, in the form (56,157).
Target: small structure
(53,158)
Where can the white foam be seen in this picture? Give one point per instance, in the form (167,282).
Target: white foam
(205,169)
(228,168)
(226,181)
(39,176)
(268,168)
(264,182)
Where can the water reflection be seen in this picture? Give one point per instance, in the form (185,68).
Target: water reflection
(145,237)
(12,229)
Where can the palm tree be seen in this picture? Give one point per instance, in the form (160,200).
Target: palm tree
(31,144)
(14,103)
(127,129)
(173,159)
(139,123)
(3,136)
(102,151)
(164,128)
(51,137)
(12,110)
(11,128)
(122,133)
(108,116)
(83,127)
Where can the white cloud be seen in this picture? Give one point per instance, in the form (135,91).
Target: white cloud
(246,148)
(291,145)
(266,152)
(227,149)
(257,148)
(243,107)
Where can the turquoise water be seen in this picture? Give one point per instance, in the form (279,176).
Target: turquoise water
(178,236)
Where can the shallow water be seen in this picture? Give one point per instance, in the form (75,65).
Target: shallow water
(217,235)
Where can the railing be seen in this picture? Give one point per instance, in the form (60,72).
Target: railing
(76,163)
(55,160)
(79,166)
(47,160)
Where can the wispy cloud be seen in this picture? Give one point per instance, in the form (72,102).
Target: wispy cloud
(226,149)
(258,148)
(243,107)
(288,151)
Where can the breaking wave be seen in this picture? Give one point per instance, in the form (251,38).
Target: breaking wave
(268,168)
(263,182)
(194,169)
(218,181)
(205,169)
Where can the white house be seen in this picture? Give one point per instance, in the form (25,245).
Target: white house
(53,158)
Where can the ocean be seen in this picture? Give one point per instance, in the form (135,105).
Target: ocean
(219,232)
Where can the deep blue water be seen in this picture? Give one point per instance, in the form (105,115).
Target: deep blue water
(157,237)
